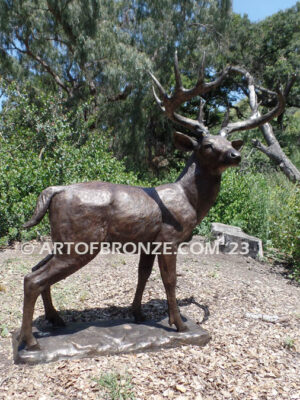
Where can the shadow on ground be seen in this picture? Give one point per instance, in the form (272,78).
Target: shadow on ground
(154,310)
(116,333)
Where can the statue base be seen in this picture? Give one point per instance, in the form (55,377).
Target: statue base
(94,339)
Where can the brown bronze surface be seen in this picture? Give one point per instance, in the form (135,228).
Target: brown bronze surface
(104,212)
(107,337)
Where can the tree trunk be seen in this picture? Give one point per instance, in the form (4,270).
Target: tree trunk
(273,149)
(276,154)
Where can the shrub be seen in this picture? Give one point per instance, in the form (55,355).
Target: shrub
(42,146)
(23,176)
(267,206)
(284,221)
(242,202)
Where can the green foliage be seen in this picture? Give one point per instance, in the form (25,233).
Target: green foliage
(24,173)
(269,48)
(100,52)
(40,122)
(118,386)
(241,202)
(290,137)
(23,176)
(4,332)
(76,46)
(284,222)
(267,206)
(289,343)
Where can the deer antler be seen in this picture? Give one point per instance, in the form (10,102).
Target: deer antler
(256,119)
(169,104)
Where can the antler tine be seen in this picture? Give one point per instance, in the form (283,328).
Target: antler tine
(159,86)
(256,119)
(169,104)
(157,99)
(177,73)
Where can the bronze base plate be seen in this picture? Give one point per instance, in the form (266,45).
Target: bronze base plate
(92,339)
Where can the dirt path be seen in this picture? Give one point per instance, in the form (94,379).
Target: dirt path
(246,358)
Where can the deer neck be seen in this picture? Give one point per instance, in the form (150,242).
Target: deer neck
(200,185)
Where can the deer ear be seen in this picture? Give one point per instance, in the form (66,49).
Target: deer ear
(237,144)
(184,142)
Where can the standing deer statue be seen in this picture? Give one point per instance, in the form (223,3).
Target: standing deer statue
(106,212)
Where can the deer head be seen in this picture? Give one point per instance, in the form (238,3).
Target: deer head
(215,152)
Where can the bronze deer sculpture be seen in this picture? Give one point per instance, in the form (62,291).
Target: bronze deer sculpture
(105,212)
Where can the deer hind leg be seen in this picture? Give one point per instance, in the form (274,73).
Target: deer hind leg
(51,313)
(56,269)
(167,266)
(145,267)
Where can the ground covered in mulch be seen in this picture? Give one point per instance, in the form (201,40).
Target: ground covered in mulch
(250,355)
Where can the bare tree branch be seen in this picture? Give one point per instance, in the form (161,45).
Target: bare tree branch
(273,149)
(41,62)
(256,119)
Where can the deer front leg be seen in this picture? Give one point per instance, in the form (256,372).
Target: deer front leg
(145,267)
(167,265)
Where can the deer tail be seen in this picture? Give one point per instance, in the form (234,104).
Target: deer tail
(42,205)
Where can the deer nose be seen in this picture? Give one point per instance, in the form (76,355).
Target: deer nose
(235,155)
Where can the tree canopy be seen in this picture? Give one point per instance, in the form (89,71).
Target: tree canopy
(97,55)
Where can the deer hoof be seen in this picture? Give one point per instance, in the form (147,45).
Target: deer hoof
(31,344)
(34,347)
(139,318)
(182,328)
(56,320)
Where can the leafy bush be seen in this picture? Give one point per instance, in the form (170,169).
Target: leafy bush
(284,221)
(267,206)
(23,176)
(242,202)
(42,146)
(40,122)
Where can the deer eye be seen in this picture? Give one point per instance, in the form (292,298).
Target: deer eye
(208,146)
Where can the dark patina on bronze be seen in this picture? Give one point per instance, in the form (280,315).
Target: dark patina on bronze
(105,212)
(84,339)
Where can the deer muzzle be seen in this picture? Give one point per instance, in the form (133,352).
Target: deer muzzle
(233,156)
